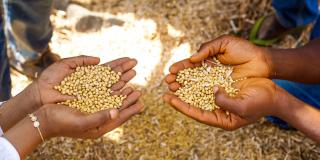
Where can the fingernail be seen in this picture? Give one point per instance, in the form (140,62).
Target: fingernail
(215,89)
(114,113)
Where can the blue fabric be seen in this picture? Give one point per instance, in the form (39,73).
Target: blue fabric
(297,13)
(292,14)
(27,27)
(5,82)
(315,33)
(307,93)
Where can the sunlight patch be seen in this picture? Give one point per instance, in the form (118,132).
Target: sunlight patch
(137,38)
(114,135)
(179,53)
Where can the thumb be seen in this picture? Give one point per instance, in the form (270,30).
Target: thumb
(226,102)
(99,118)
(211,48)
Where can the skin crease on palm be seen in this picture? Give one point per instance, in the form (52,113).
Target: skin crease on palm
(46,83)
(258,96)
(65,67)
(232,51)
(251,91)
(75,123)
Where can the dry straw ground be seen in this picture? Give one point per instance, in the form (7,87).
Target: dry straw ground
(157,33)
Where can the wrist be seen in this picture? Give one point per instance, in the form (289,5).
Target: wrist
(23,136)
(33,94)
(45,127)
(285,104)
(18,107)
(283,63)
(270,56)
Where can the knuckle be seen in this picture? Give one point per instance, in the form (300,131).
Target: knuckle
(205,45)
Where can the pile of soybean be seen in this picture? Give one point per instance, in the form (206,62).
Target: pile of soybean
(91,85)
(198,83)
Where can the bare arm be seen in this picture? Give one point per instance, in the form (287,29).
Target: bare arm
(302,116)
(18,107)
(24,137)
(300,64)
(248,60)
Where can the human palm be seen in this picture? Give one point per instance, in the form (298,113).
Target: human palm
(81,125)
(257,98)
(54,74)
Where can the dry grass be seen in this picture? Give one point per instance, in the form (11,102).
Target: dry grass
(157,33)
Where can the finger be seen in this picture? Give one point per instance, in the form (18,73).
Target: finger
(127,76)
(130,100)
(167,97)
(62,98)
(213,118)
(223,100)
(124,67)
(170,98)
(129,112)
(193,112)
(97,119)
(125,91)
(123,80)
(117,62)
(217,118)
(176,67)
(170,78)
(118,85)
(227,122)
(123,117)
(75,62)
(186,109)
(211,48)
(174,86)
(132,97)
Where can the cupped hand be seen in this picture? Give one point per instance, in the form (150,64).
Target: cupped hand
(52,76)
(257,97)
(60,120)
(247,59)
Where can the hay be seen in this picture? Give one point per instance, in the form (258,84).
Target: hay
(161,132)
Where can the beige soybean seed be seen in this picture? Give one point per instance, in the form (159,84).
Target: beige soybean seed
(91,85)
(198,82)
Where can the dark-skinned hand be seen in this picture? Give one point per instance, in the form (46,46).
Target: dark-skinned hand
(258,97)
(247,59)
(45,93)
(60,120)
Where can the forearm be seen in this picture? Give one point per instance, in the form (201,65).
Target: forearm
(24,136)
(17,108)
(300,64)
(301,116)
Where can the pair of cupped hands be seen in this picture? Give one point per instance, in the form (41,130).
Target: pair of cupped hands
(258,95)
